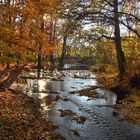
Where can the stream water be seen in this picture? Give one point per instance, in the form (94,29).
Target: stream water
(77,117)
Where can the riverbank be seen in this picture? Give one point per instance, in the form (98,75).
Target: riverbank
(20,119)
(19,115)
(128,100)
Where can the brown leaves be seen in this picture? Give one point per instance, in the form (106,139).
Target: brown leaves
(17,120)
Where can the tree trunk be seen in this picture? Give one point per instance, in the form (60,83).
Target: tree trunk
(52,59)
(10,22)
(39,60)
(120,54)
(52,39)
(18,57)
(61,61)
(40,64)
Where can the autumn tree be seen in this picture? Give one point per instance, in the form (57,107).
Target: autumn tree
(70,23)
(108,13)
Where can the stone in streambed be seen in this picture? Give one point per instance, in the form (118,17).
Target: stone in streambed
(57,98)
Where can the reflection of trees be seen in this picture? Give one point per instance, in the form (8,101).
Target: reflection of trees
(45,105)
(57,86)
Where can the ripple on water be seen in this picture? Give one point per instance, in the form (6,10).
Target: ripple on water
(100,124)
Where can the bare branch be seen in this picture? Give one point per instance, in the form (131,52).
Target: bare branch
(128,14)
(108,2)
(130,28)
(108,37)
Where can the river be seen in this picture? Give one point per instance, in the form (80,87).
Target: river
(77,117)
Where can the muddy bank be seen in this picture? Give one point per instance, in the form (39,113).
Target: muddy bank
(128,96)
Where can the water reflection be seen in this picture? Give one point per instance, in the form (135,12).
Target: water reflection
(99,124)
(72,80)
(72,84)
(45,106)
(109,99)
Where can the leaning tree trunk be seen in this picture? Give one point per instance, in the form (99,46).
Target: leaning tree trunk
(120,54)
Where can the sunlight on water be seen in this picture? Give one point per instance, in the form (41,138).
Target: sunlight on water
(42,95)
(45,107)
(61,94)
(41,85)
